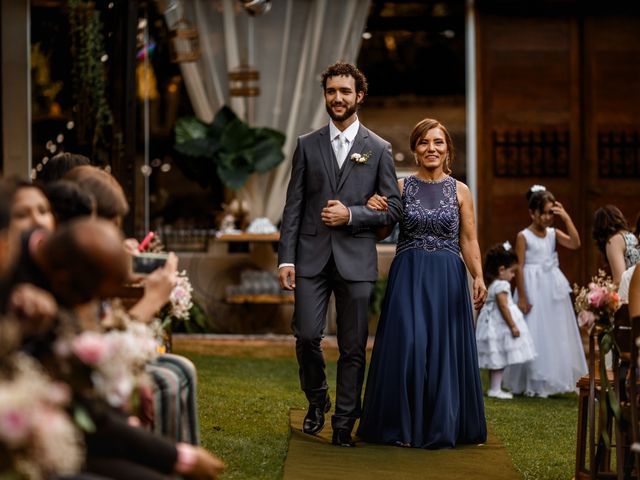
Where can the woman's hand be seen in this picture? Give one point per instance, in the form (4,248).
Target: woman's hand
(378,202)
(479,292)
(157,289)
(515,332)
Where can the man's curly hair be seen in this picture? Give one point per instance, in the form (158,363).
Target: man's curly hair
(343,68)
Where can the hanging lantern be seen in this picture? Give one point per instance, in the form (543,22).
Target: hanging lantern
(184,45)
(243,82)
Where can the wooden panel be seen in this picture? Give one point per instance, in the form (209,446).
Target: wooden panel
(612,113)
(528,85)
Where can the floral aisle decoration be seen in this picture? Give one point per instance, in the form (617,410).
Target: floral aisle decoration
(596,305)
(181,313)
(109,365)
(38,439)
(176,311)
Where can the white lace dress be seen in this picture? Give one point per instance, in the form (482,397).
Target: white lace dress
(497,347)
(552,323)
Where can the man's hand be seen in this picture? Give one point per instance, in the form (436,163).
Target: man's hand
(287,276)
(335,214)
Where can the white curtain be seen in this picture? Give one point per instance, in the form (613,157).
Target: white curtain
(290,46)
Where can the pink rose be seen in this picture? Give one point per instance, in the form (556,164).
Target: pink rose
(14,427)
(586,319)
(90,348)
(597,297)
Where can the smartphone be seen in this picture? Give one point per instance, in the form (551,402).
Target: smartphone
(145,263)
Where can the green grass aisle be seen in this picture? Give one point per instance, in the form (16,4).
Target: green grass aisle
(246,391)
(538,433)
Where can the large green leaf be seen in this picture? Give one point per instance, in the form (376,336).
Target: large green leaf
(223,117)
(234,173)
(227,145)
(198,147)
(237,136)
(190,128)
(267,153)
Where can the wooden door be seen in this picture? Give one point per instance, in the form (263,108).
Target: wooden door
(529,102)
(559,105)
(611,92)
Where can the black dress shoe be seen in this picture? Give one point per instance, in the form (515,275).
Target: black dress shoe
(314,420)
(342,437)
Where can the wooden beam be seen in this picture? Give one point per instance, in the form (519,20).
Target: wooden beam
(123,79)
(16,88)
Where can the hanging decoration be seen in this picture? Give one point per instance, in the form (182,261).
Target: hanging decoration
(184,43)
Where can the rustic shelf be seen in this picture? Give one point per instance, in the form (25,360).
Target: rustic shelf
(262,298)
(249,237)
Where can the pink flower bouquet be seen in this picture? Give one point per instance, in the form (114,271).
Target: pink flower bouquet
(596,303)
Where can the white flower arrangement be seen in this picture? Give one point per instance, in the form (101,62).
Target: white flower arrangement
(116,359)
(180,299)
(537,188)
(37,437)
(360,157)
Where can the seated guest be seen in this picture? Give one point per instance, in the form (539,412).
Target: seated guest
(616,242)
(30,207)
(175,376)
(69,201)
(111,202)
(81,262)
(634,294)
(58,165)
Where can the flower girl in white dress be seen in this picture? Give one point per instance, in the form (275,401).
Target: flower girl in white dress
(543,295)
(502,335)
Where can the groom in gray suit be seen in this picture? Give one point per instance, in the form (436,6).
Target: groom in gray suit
(328,244)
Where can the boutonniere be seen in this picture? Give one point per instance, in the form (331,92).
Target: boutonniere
(360,157)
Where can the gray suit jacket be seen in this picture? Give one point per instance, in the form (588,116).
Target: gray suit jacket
(307,242)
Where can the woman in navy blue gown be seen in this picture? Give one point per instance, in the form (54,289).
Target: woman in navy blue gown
(423,388)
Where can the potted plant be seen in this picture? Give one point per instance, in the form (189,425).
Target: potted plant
(228,147)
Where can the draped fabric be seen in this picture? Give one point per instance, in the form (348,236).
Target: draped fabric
(290,46)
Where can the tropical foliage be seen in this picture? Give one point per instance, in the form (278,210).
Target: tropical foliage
(228,147)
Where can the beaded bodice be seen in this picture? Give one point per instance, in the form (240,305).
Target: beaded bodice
(431,216)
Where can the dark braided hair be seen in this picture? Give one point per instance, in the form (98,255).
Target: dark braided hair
(538,199)
(496,257)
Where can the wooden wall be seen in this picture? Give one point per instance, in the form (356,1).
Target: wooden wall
(559,105)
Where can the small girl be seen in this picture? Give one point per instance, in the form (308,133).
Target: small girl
(543,295)
(502,335)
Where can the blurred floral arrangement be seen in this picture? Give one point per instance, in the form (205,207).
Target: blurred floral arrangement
(182,313)
(180,301)
(596,305)
(38,439)
(113,362)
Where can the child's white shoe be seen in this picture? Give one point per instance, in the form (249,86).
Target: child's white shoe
(499,394)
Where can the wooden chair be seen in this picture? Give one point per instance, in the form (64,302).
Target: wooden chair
(592,425)
(634,389)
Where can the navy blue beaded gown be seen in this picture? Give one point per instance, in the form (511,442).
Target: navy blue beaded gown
(423,387)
